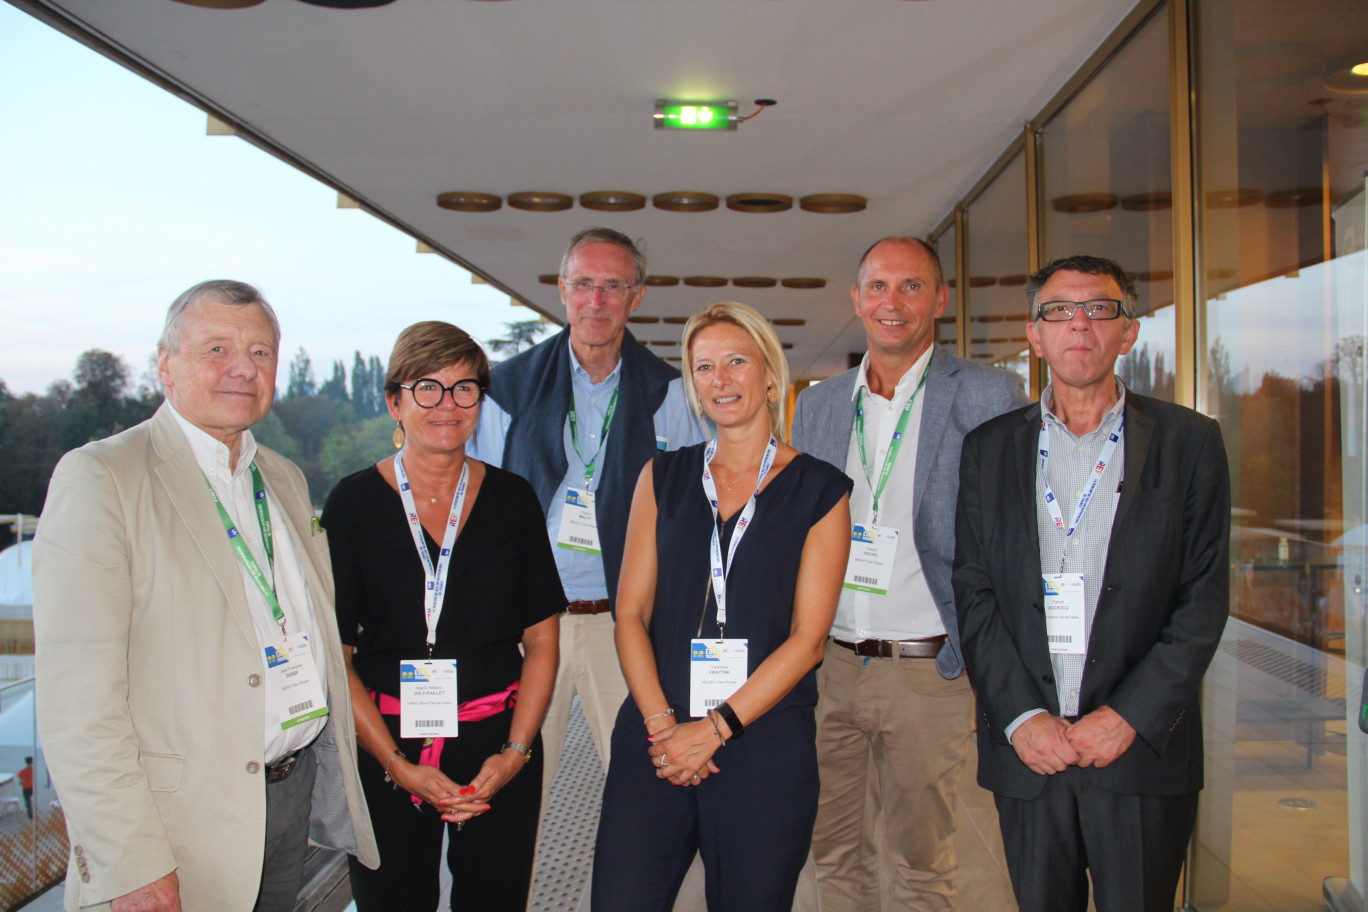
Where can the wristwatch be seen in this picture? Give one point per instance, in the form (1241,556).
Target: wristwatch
(520,748)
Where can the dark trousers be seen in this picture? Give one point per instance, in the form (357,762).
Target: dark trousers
(752,822)
(287,835)
(490,857)
(1133,845)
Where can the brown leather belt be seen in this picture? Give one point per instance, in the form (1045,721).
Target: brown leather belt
(282,768)
(928,648)
(597,606)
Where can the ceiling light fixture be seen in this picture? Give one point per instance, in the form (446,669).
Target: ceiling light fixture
(832,203)
(685,201)
(803,282)
(613,201)
(540,201)
(759,202)
(469,201)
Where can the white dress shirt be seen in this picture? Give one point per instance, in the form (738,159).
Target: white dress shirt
(234,490)
(908,611)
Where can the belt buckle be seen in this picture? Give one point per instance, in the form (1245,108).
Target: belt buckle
(278,771)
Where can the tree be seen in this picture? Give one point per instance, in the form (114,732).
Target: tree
(377,390)
(521,334)
(335,387)
(302,382)
(351,447)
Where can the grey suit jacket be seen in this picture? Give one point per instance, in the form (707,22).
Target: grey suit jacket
(149,692)
(959,396)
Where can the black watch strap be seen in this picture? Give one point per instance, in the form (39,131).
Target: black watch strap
(728,715)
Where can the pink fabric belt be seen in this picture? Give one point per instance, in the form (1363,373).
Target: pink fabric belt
(475,710)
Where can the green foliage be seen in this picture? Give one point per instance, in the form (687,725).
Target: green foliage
(351,447)
(335,387)
(302,382)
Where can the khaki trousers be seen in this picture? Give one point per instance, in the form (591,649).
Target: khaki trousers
(892,737)
(588,667)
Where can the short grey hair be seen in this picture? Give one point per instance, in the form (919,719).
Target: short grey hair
(1087,265)
(598,235)
(214,291)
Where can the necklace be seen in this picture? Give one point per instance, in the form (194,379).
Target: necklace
(737,477)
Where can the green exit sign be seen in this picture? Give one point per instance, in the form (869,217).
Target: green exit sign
(695,115)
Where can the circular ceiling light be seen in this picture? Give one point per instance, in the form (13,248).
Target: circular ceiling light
(1220,273)
(1234,199)
(759,202)
(803,282)
(685,201)
(1012,281)
(1078,203)
(951,282)
(662,281)
(1148,202)
(639,318)
(676,321)
(549,278)
(221,4)
(663,342)
(754,282)
(469,201)
(612,201)
(1292,199)
(981,281)
(827,203)
(540,201)
(348,4)
(789,321)
(1155,275)
(704,282)
(786,345)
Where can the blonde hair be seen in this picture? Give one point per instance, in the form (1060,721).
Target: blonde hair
(749,320)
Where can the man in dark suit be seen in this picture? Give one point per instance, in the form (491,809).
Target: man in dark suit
(1092,583)
(895,711)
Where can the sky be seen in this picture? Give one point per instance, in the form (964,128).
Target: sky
(115,200)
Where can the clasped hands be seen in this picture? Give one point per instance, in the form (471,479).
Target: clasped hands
(458,803)
(1048,744)
(682,753)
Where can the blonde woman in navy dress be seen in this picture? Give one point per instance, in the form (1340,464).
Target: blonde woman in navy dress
(735,554)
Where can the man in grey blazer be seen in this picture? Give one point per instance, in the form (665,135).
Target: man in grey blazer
(894,714)
(191,695)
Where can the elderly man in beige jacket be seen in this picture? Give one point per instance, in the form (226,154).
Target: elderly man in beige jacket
(191,694)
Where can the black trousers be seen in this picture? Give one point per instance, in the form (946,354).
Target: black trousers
(490,857)
(752,822)
(1133,845)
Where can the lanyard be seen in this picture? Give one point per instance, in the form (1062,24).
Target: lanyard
(1084,498)
(244,556)
(603,435)
(893,446)
(719,570)
(434,576)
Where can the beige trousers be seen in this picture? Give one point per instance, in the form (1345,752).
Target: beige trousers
(892,737)
(588,667)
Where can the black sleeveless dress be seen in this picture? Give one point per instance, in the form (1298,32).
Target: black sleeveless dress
(753,821)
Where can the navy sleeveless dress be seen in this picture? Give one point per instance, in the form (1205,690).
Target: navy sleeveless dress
(752,822)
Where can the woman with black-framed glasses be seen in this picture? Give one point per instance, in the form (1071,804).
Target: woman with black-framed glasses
(443,571)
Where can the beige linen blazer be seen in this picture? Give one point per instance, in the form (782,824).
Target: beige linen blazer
(150,692)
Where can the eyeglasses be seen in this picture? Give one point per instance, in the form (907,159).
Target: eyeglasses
(1096,309)
(428,393)
(612,289)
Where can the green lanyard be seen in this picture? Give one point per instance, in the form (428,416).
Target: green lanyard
(263,514)
(893,447)
(574,435)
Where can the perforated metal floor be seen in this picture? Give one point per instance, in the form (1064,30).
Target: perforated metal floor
(566,852)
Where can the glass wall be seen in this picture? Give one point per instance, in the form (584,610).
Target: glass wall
(1282,134)
(998,263)
(947,326)
(1106,173)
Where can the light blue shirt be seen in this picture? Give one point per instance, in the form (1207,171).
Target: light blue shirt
(675,426)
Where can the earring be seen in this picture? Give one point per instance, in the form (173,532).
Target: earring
(771,394)
(398,436)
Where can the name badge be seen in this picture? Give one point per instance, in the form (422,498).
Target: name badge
(872,550)
(427,698)
(1064,614)
(716,669)
(578,525)
(291,673)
